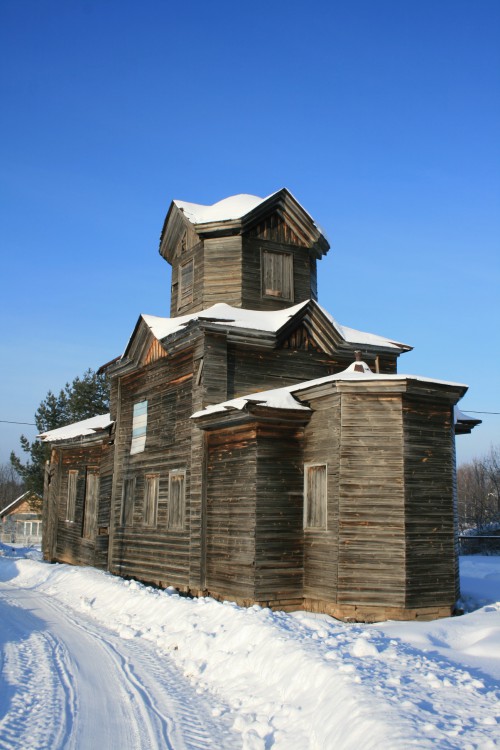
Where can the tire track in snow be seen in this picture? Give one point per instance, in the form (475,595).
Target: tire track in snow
(136,699)
(198,729)
(37,693)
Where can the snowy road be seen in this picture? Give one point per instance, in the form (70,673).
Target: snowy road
(89,660)
(70,684)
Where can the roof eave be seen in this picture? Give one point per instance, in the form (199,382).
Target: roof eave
(251,412)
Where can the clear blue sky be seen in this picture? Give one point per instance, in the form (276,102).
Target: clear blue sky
(381,116)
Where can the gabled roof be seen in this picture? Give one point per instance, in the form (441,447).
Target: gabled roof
(18,501)
(262,325)
(237,214)
(85,427)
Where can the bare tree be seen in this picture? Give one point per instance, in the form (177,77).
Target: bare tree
(478,484)
(11,485)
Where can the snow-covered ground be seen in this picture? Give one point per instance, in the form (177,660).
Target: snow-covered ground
(90,660)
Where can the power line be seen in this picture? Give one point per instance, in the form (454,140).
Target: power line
(8,421)
(32,424)
(481,412)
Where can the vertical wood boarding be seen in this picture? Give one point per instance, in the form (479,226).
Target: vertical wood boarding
(279,553)
(432,575)
(322,446)
(231,520)
(371,501)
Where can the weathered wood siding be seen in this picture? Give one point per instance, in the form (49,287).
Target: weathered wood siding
(322,446)
(209,387)
(155,554)
(371,568)
(223,268)
(50,505)
(431,553)
(229,270)
(231,520)
(249,371)
(71,545)
(192,250)
(279,563)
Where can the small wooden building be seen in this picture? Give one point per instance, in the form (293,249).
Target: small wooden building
(21,520)
(246,455)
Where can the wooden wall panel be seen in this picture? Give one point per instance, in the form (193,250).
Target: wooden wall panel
(371,567)
(222,282)
(249,371)
(231,496)
(50,506)
(71,546)
(432,561)
(155,554)
(278,532)
(322,446)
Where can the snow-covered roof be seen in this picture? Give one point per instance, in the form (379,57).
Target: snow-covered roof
(237,317)
(261,320)
(282,398)
(464,423)
(278,398)
(460,416)
(353,336)
(234,207)
(77,429)
(18,501)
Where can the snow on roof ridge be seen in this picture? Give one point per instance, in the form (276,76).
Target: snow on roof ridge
(77,429)
(276,398)
(281,398)
(261,320)
(235,317)
(353,336)
(232,207)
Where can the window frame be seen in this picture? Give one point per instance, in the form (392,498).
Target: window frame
(139,427)
(309,516)
(176,514)
(37,525)
(150,501)
(283,294)
(91,502)
(71,496)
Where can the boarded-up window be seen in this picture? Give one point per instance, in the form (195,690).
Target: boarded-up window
(186,280)
(176,499)
(151,488)
(71,504)
(128,496)
(139,427)
(91,503)
(277,275)
(315,496)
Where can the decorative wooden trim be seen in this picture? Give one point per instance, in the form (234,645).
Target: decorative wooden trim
(154,353)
